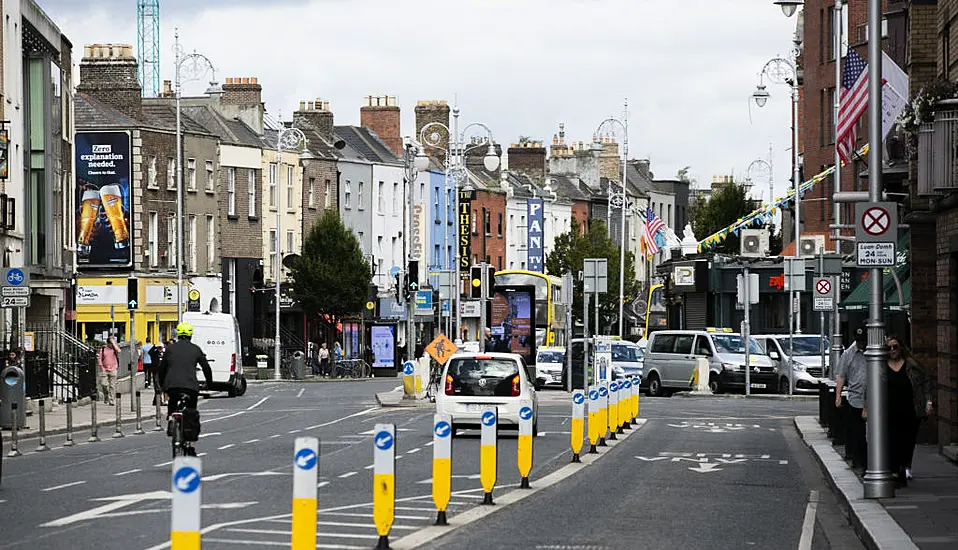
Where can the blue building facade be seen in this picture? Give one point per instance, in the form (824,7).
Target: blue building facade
(441,222)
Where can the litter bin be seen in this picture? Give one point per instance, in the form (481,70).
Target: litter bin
(298,365)
(13,390)
(262,367)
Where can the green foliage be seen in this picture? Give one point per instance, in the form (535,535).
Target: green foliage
(568,255)
(331,276)
(725,207)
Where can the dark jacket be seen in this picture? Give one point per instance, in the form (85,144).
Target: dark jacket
(178,366)
(922,386)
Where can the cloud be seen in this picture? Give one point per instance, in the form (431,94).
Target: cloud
(687,67)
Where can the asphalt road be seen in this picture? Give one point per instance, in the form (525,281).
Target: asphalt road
(114,494)
(702,473)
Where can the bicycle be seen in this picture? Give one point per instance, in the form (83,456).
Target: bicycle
(352,368)
(181,447)
(435,380)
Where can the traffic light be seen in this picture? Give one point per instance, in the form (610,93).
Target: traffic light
(475,282)
(132,293)
(412,277)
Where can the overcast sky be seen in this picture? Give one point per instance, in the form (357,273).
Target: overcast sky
(687,67)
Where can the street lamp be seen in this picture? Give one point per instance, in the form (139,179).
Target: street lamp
(286,139)
(431,137)
(789,6)
(195,65)
(623,125)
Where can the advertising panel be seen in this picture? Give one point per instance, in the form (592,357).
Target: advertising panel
(465,233)
(535,235)
(384,346)
(512,321)
(103,199)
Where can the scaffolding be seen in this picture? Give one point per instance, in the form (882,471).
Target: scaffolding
(148,45)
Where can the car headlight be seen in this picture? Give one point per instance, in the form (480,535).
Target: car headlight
(730,367)
(799,367)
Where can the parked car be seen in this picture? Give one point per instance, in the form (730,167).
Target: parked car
(808,369)
(627,360)
(475,381)
(550,362)
(671,357)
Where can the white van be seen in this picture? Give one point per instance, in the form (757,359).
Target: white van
(217,334)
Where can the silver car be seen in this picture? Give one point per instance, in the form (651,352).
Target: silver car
(808,368)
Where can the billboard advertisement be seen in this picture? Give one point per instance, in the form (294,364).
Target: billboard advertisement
(465,233)
(512,322)
(535,235)
(384,346)
(103,199)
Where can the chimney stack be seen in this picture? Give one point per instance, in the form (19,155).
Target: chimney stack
(528,158)
(433,111)
(242,98)
(609,165)
(381,115)
(108,73)
(316,116)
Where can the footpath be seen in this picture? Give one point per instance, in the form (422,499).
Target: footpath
(922,515)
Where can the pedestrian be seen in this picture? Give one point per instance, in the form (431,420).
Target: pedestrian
(13,359)
(108,360)
(909,402)
(147,363)
(323,360)
(337,357)
(852,374)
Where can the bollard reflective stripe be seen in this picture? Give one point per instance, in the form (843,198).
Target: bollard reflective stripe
(524,451)
(578,419)
(593,418)
(603,423)
(488,452)
(384,480)
(441,465)
(613,408)
(186,503)
(43,428)
(305,477)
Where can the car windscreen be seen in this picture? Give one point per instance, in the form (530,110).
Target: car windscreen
(625,354)
(805,346)
(733,344)
(550,357)
(481,376)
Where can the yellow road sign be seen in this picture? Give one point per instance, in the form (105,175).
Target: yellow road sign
(441,349)
(194,294)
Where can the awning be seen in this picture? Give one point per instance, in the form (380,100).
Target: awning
(859,298)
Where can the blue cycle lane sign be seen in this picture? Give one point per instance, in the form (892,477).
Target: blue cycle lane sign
(15,288)
(15,276)
(186,479)
(306,459)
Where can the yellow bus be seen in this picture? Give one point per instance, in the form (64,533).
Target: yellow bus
(656,317)
(550,309)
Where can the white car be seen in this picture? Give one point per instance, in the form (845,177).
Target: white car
(808,370)
(550,361)
(473,382)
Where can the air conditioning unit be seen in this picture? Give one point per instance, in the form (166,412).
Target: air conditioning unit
(754,243)
(812,245)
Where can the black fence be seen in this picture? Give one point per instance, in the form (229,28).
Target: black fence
(60,366)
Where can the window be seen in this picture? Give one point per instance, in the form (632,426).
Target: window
(395,252)
(171,174)
(395,199)
(436,203)
(153,237)
(192,242)
(828,32)
(512,223)
(209,176)
(272,251)
(171,241)
(500,225)
(382,198)
(487,221)
(191,174)
(231,191)
(359,197)
(435,256)
(670,216)
(289,187)
(683,343)
(231,282)
(210,245)
(290,241)
(474,222)
(272,185)
(347,192)
(311,193)
(499,263)
(251,190)
(327,199)
(151,174)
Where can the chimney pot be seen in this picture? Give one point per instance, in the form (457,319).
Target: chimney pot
(254,80)
(302,105)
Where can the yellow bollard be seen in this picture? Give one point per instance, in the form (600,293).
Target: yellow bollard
(594,420)
(488,452)
(384,481)
(613,409)
(603,423)
(441,465)
(305,475)
(408,379)
(524,452)
(578,418)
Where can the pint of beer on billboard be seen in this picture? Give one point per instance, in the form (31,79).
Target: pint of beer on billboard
(88,215)
(113,206)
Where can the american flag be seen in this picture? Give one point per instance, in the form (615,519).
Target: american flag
(653,224)
(853,100)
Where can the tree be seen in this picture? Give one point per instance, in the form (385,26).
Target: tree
(725,207)
(568,255)
(331,276)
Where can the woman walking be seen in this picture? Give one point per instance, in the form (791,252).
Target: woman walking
(909,402)
(108,361)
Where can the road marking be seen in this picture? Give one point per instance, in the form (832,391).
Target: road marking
(200,455)
(232,542)
(224,447)
(430,443)
(413,451)
(338,420)
(128,472)
(274,436)
(115,503)
(652,458)
(291,432)
(371,466)
(257,404)
(162,464)
(287,533)
(300,394)
(215,477)
(706,467)
(347,475)
(224,417)
(210,434)
(64,486)
(250,441)
(808,525)
(358,515)
(322,484)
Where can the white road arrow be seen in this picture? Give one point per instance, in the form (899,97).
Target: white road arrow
(652,458)
(731,460)
(216,477)
(429,481)
(706,467)
(116,503)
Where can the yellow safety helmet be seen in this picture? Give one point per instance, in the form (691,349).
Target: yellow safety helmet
(184,329)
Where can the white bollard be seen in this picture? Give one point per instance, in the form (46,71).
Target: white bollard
(305,476)
(186,502)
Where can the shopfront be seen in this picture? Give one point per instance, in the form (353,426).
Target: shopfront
(102,308)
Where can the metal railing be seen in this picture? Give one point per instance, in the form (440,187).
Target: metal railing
(944,161)
(926,159)
(60,366)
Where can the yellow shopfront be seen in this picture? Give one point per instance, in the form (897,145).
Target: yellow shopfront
(102,308)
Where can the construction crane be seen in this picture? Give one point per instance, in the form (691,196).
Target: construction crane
(148,45)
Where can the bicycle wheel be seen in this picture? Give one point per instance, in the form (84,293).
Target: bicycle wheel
(177,438)
(357,370)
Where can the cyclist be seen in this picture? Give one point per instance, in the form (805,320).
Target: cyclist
(177,371)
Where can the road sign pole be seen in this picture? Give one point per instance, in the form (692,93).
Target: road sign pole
(821,340)
(305,476)
(484,277)
(578,420)
(134,358)
(488,452)
(585,340)
(186,503)
(525,447)
(441,465)
(384,481)
(746,329)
